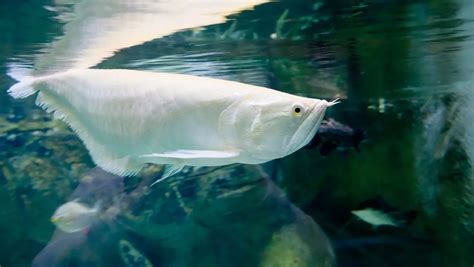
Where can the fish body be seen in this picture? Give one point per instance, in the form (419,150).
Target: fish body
(128,118)
(375,217)
(74,216)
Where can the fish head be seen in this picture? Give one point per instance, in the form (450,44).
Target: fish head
(71,217)
(62,216)
(276,126)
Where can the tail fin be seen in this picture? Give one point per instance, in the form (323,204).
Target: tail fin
(24,87)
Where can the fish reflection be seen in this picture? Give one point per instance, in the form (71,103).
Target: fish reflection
(95,29)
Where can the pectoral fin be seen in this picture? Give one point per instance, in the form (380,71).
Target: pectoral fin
(169,171)
(194,154)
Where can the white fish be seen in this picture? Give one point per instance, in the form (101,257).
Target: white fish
(128,118)
(73,216)
(375,217)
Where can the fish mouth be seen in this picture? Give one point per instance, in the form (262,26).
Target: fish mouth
(308,129)
(54,220)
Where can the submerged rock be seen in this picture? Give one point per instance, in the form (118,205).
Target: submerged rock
(298,245)
(333,135)
(227,216)
(40,166)
(131,256)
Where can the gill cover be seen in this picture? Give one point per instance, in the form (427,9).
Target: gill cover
(266,127)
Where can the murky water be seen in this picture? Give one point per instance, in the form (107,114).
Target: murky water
(403,69)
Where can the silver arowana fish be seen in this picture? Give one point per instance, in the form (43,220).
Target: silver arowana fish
(128,118)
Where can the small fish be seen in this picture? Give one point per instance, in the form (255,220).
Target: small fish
(404,217)
(128,118)
(74,216)
(375,217)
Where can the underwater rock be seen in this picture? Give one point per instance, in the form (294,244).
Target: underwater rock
(99,186)
(6,126)
(333,135)
(291,246)
(131,256)
(40,166)
(202,217)
(32,123)
(59,250)
(29,167)
(96,247)
(226,215)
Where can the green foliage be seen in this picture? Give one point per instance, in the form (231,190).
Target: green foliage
(276,20)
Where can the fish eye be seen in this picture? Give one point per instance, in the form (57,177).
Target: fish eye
(297,110)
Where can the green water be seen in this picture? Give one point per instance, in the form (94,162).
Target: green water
(404,72)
